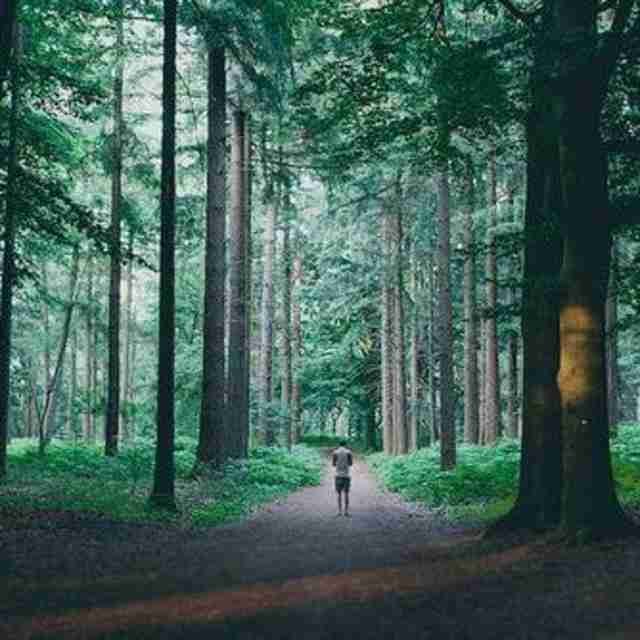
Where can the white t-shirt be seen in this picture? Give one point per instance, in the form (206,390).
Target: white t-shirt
(342,460)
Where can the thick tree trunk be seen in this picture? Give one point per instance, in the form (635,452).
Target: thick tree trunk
(237,409)
(471,395)
(163,492)
(9,258)
(112,412)
(492,373)
(445,335)
(611,321)
(212,442)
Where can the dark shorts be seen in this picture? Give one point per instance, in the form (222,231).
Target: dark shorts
(343,484)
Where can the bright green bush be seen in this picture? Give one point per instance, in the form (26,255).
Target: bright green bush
(81,478)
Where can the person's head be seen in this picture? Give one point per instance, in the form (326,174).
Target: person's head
(343,443)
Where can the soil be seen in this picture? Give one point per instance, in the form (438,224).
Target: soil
(295,570)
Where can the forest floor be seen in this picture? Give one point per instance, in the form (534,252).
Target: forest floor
(296,571)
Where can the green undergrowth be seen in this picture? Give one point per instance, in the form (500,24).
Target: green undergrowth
(484,484)
(81,478)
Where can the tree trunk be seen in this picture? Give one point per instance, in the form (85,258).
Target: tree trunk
(266,343)
(492,373)
(73,388)
(401,439)
(285,368)
(445,336)
(126,350)
(434,426)
(237,410)
(611,321)
(386,338)
(212,439)
(112,411)
(248,252)
(415,378)
(9,254)
(47,427)
(296,330)
(163,492)
(89,402)
(471,395)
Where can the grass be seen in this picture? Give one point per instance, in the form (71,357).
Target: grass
(81,478)
(484,484)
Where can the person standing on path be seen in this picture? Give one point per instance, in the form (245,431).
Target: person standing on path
(342,460)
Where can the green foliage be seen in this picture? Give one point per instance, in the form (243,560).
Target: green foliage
(484,484)
(81,478)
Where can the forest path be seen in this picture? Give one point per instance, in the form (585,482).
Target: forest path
(296,571)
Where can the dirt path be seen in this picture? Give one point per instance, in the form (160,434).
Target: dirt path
(295,570)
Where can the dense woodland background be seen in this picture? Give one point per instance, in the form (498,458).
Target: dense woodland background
(407,222)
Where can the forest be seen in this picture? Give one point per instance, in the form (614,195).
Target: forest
(237,233)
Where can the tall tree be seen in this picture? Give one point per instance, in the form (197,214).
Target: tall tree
(163,491)
(471,417)
(286,337)
(211,440)
(611,328)
(386,334)
(296,344)
(492,373)
(237,409)
(9,254)
(112,412)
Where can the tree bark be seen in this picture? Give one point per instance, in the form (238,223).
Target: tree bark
(285,350)
(9,256)
(89,403)
(445,336)
(611,329)
(492,372)
(248,251)
(126,350)
(237,410)
(296,331)
(416,338)
(386,337)
(471,395)
(212,440)
(163,492)
(112,411)
(266,342)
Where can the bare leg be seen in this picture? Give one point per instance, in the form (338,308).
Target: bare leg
(346,503)
(339,502)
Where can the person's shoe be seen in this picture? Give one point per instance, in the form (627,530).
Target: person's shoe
(347,514)
(338,514)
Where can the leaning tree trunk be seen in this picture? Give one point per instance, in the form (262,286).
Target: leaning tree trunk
(237,409)
(471,396)
(445,335)
(212,441)
(112,411)
(492,373)
(163,491)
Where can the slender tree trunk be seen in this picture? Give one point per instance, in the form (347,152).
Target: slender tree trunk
(213,445)
(47,425)
(8,16)
(492,373)
(112,412)
(296,336)
(386,339)
(398,339)
(9,255)
(471,395)
(163,492)
(285,368)
(73,388)
(89,402)
(415,379)
(432,353)
(248,252)
(126,350)
(445,336)
(131,419)
(237,411)
(266,343)
(611,321)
